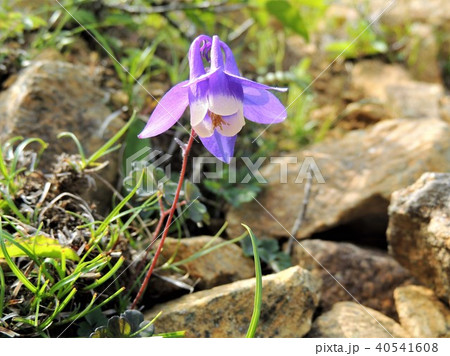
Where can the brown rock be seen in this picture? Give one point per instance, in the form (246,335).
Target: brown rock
(288,303)
(393,87)
(415,99)
(368,275)
(50,97)
(421,313)
(224,265)
(351,320)
(419,230)
(362,114)
(445,108)
(370,78)
(361,170)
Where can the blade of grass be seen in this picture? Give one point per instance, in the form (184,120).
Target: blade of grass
(2,291)
(221,230)
(20,246)
(57,310)
(146,326)
(102,150)
(106,276)
(106,301)
(3,170)
(21,148)
(204,252)
(258,287)
(173,334)
(104,225)
(80,314)
(77,143)
(17,272)
(38,302)
(14,208)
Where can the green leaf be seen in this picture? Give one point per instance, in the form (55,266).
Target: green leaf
(133,145)
(170,189)
(289,16)
(197,211)
(41,246)
(119,327)
(191,191)
(134,317)
(281,261)
(269,252)
(258,288)
(101,332)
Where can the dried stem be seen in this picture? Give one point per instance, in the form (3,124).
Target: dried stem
(168,222)
(302,212)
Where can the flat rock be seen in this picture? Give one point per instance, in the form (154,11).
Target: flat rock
(369,275)
(223,265)
(49,97)
(351,320)
(360,171)
(421,313)
(289,300)
(419,230)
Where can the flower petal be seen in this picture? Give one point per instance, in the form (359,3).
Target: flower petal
(220,146)
(205,128)
(233,124)
(250,83)
(198,102)
(225,97)
(167,112)
(262,106)
(201,78)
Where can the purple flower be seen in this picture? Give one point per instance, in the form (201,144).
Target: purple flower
(218,97)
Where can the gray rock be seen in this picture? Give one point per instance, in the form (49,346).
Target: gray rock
(419,230)
(49,97)
(289,300)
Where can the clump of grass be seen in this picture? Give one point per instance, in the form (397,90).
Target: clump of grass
(59,259)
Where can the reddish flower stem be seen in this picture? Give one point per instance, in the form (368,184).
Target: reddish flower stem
(168,222)
(162,216)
